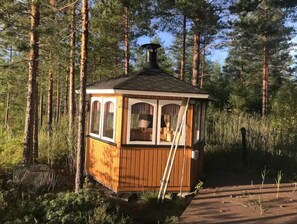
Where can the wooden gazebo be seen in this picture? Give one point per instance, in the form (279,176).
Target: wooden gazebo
(131,125)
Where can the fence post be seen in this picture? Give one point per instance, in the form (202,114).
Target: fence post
(243,140)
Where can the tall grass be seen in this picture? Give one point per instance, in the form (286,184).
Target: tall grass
(224,128)
(266,144)
(55,149)
(10,149)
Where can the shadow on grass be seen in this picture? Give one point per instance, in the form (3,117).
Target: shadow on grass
(148,210)
(227,161)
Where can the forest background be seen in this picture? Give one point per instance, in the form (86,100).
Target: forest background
(255,88)
(50,48)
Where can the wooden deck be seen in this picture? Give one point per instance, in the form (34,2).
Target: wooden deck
(243,204)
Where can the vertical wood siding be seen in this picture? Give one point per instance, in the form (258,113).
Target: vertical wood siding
(139,168)
(142,168)
(102,162)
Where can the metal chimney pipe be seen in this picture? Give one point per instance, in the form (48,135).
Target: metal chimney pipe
(151,56)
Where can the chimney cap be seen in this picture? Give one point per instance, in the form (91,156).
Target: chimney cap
(150,46)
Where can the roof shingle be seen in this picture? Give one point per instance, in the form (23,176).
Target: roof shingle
(147,80)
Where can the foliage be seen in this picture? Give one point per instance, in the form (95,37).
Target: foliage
(149,197)
(10,150)
(3,203)
(153,211)
(198,186)
(260,38)
(284,111)
(85,206)
(55,149)
(265,145)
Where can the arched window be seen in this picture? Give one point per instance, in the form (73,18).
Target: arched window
(142,121)
(95,117)
(141,125)
(102,118)
(168,122)
(108,122)
(199,121)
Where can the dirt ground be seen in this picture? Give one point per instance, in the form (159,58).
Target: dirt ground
(243,201)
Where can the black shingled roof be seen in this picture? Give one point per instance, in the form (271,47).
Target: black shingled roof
(147,80)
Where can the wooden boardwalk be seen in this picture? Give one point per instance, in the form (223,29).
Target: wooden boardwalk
(243,204)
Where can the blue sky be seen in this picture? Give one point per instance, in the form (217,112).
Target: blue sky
(216,55)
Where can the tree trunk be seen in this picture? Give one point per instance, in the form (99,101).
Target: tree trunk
(35,138)
(41,109)
(202,69)
(127,54)
(196,59)
(265,76)
(50,103)
(6,125)
(71,100)
(33,69)
(58,101)
(65,97)
(183,52)
(80,159)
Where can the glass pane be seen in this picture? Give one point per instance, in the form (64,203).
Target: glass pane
(141,123)
(108,123)
(95,122)
(169,116)
(197,123)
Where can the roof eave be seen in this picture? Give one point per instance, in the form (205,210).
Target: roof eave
(149,93)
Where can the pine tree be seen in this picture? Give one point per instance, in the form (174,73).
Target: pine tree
(80,158)
(262,25)
(33,69)
(71,100)
(203,16)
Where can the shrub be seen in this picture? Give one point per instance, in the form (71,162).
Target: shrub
(10,149)
(84,207)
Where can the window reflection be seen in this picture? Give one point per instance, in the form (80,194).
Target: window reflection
(95,122)
(141,123)
(108,123)
(169,116)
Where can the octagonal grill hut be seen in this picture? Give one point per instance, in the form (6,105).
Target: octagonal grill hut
(132,122)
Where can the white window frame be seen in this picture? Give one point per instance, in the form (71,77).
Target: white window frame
(114,101)
(152,102)
(93,99)
(102,101)
(161,104)
(197,121)
(203,121)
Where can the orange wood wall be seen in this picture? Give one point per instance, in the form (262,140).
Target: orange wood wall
(102,162)
(142,169)
(102,158)
(139,168)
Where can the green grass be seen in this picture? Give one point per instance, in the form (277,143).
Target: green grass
(266,145)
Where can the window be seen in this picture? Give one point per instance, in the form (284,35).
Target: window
(203,120)
(152,121)
(141,121)
(108,120)
(199,121)
(102,124)
(167,122)
(197,118)
(95,117)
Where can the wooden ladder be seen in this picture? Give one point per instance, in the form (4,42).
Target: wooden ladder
(170,161)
